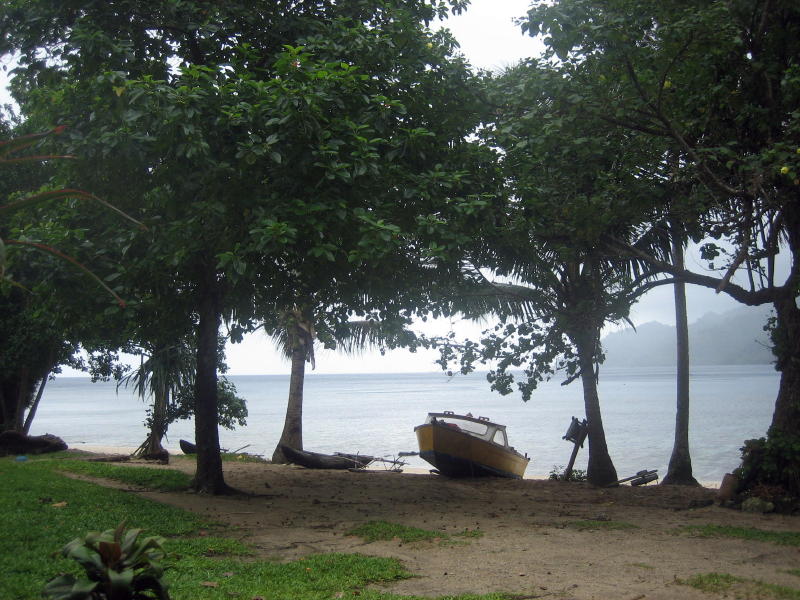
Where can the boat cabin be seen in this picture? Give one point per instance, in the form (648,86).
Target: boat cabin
(479,427)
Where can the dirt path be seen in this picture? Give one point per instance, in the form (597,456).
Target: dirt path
(530,545)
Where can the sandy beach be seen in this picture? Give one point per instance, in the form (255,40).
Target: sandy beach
(537,538)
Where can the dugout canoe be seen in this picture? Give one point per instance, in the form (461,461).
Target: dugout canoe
(316,460)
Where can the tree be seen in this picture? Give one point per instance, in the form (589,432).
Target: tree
(720,81)
(38,296)
(161,375)
(296,334)
(679,470)
(561,286)
(258,141)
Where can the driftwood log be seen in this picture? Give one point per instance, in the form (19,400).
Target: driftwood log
(14,442)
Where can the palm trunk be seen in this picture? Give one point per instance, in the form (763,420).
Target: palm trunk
(208,477)
(158,424)
(679,471)
(601,469)
(292,434)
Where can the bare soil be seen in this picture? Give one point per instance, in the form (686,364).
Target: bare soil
(530,547)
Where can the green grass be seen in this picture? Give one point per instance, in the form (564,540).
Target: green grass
(41,510)
(782,538)
(374,531)
(590,524)
(165,480)
(739,587)
(795,572)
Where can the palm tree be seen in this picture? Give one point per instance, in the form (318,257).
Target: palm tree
(296,335)
(162,375)
(553,315)
(679,471)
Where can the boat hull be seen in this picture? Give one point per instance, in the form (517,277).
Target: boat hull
(315,460)
(458,454)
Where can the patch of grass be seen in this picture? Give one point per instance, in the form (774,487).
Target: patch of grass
(723,583)
(461,538)
(165,480)
(642,565)
(715,583)
(782,538)
(795,572)
(374,531)
(469,533)
(591,524)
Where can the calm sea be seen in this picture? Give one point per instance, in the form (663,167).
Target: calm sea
(376,414)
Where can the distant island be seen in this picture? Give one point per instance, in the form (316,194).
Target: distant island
(736,337)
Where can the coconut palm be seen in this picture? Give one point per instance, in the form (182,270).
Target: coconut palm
(296,334)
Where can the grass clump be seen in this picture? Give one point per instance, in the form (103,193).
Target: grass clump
(374,531)
(782,538)
(739,587)
(715,583)
(593,524)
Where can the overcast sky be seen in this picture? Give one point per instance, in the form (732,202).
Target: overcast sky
(490,40)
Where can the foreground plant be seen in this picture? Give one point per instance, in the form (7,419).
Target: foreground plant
(119,565)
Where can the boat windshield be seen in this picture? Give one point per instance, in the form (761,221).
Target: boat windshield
(477,429)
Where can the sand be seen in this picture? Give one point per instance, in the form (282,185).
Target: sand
(530,545)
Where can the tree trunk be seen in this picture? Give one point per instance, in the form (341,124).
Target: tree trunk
(15,394)
(152,447)
(292,434)
(601,469)
(26,428)
(679,471)
(208,478)
(773,464)
(51,364)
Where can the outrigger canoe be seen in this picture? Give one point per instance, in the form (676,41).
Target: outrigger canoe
(315,460)
(467,446)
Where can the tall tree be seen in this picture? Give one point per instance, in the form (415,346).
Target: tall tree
(719,80)
(562,173)
(258,141)
(297,332)
(679,469)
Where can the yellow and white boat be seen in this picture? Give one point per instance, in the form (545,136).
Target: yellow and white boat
(467,446)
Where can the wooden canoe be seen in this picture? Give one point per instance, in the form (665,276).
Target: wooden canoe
(315,460)
(188,447)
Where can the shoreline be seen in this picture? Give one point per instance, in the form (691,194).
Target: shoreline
(127,450)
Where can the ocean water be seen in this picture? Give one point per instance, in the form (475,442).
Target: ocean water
(376,414)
